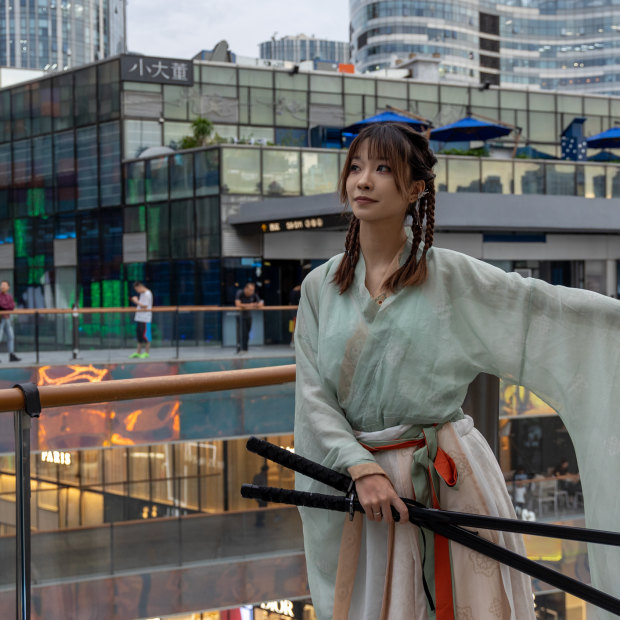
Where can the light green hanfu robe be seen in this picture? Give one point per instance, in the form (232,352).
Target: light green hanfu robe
(366,368)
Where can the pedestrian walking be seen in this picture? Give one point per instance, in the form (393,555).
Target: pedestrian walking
(6,328)
(246,299)
(143,319)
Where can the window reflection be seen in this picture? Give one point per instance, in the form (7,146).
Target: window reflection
(463,175)
(497,177)
(281,173)
(319,173)
(241,171)
(529,178)
(595,184)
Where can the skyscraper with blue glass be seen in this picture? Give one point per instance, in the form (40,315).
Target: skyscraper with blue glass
(546,44)
(60,34)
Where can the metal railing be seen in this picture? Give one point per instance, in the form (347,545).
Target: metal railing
(14,399)
(44,330)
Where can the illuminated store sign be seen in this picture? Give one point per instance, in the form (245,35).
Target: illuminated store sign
(60,458)
(284,608)
(308,223)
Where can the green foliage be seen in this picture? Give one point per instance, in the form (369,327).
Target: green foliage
(481,151)
(202,128)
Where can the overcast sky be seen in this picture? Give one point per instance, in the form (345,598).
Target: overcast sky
(181,28)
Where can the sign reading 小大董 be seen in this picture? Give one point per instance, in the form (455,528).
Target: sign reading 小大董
(157,70)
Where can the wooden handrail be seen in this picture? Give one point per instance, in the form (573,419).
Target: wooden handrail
(12,399)
(124,310)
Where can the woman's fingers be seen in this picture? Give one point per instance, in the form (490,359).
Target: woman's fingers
(377,496)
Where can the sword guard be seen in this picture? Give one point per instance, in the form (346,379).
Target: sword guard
(351,497)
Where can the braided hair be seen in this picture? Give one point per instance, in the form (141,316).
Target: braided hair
(411,159)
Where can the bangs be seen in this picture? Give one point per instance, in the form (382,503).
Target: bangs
(386,142)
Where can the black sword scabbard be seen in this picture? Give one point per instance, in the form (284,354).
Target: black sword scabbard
(300,464)
(427,519)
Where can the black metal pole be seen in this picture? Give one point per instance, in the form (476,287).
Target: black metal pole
(75,317)
(176,328)
(36,335)
(22,514)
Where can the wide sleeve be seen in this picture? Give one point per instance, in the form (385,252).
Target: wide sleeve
(564,345)
(322,432)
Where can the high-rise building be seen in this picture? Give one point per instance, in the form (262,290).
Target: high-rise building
(59,34)
(546,44)
(302,47)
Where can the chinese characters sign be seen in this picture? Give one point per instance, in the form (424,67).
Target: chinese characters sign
(157,70)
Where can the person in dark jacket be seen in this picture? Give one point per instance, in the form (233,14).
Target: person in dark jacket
(7,303)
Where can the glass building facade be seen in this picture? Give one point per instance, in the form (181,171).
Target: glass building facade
(301,47)
(58,35)
(85,208)
(540,44)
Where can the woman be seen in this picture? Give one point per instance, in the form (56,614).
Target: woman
(389,335)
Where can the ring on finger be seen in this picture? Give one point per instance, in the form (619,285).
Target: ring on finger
(378,514)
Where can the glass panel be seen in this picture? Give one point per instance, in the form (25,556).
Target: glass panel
(139,136)
(182,241)
(393,88)
(64,159)
(174,132)
(241,171)
(139,472)
(254,135)
(513,99)
(441,175)
(596,105)
(319,173)
(86,96)
(175,102)
(261,106)
(569,104)
(157,179)
(41,107)
(255,77)
(544,103)
(497,177)
(182,175)
(43,178)
(353,109)
(453,94)
(613,181)
(22,162)
(109,90)
(529,178)
(134,182)
(325,83)
(207,227)
(281,173)
(5,116)
(87,167)
(463,175)
(20,107)
(485,98)
(291,108)
(560,179)
(542,127)
(219,75)
(62,96)
(424,92)
(134,219)
(206,170)
(359,86)
(595,182)
(110,163)
(158,230)
(296,81)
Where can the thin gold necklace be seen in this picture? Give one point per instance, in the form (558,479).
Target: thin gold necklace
(379,297)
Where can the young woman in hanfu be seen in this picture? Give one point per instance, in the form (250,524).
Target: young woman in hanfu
(389,336)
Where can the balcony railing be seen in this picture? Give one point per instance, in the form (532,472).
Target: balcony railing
(281,172)
(176,329)
(100,549)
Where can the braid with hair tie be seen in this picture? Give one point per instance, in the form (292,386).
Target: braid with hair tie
(346,269)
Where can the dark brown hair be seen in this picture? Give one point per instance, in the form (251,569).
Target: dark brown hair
(411,159)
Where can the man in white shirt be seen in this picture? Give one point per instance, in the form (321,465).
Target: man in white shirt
(143,318)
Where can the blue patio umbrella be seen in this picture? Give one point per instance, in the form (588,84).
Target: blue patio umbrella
(468,129)
(385,117)
(606,139)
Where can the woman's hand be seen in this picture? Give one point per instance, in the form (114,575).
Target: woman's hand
(376,495)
